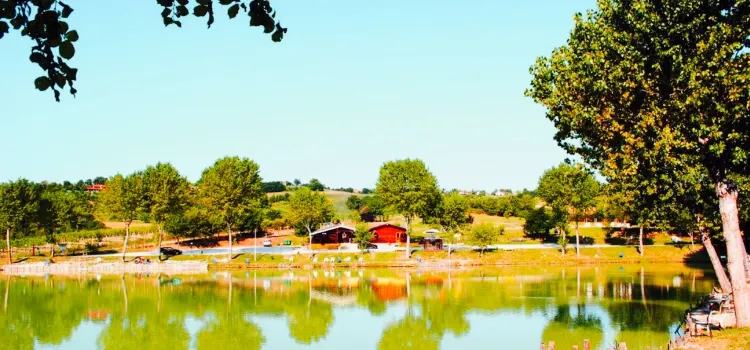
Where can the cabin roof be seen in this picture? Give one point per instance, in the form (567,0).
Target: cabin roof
(331,228)
(386,225)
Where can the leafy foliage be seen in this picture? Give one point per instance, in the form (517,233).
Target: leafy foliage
(408,188)
(273,186)
(658,89)
(44,23)
(231,189)
(309,209)
(363,236)
(484,235)
(122,199)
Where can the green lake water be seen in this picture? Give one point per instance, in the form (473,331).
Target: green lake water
(490,308)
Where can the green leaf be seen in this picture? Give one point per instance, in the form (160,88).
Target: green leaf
(200,10)
(42,83)
(72,36)
(183,2)
(66,10)
(233,10)
(67,50)
(182,11)
(54,42)
(226,2)
(60,80)
(63,27)
(165,3)
(73,74)
(3,28)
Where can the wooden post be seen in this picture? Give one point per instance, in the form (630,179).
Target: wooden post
(586,344)
(551,345)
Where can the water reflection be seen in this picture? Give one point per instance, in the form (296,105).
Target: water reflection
(341,309)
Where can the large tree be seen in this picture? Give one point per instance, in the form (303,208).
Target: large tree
(44,22)
(166,194)
(19,206)
(454,211)
(309,209)
(569,188)
(653,84)
(408,188)
(122,199)
(231,188)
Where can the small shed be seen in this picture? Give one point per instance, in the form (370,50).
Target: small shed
(388,233)
(333,234)
(431,241)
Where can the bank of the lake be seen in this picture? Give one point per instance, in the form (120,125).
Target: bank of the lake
(438,259)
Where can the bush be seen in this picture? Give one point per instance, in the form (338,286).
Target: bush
(91,247)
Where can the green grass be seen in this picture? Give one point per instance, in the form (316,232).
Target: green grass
(338,198)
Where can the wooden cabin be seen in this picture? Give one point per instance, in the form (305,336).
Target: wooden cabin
(431,242)
(333,234)
(387,233)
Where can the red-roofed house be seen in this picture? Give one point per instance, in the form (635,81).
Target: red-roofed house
(96,188)
(387,233)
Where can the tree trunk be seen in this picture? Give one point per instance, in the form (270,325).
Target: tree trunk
(578,243)
(408,241)
(229,231)
(127,236)
(640,240)
(309,234)
(7,242)
(721,275)
(158,244)
(692,240)
(564,241)
(730,223)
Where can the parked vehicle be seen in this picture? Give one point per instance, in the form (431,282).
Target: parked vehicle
(267,243)
(168,251)
(372,246)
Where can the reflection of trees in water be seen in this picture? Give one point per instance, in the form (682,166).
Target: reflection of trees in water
(48,311)
(637,316)
(311,323)
(229,331)
(409,333)
(567,330)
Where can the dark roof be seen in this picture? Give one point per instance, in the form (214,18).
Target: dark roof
(331,228)
(386,225)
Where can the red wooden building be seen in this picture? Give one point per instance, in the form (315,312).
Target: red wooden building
(387,233)
(333,234)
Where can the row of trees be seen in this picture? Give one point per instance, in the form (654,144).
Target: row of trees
(30,209)
(654,96)
(511,205)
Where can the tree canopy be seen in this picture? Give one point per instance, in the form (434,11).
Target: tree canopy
(649,87)
(310,209)
(45,23)
(231,188)
(408,188)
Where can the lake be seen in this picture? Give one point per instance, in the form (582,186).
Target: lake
(483,308)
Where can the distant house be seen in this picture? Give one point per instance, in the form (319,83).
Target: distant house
(431,242)
(333,234)
(387,233)
(95,188)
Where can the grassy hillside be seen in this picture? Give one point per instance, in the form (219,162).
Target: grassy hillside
(337,197)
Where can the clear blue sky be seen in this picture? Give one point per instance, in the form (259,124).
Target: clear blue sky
(355,83)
